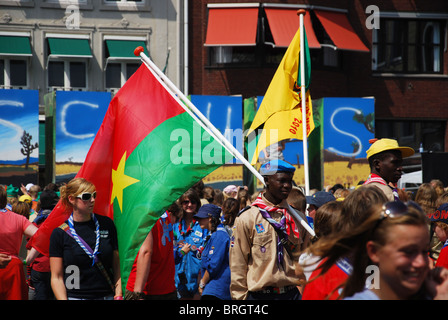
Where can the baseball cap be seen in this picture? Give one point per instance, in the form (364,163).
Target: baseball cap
(381,145)
(208,210)
(25,198)
(230,188)
(274,166)
(320,198)
(441,214)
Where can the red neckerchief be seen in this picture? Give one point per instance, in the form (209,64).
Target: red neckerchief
(290,225)
(375,178)
(189,229)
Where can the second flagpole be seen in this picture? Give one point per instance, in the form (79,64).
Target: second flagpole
(301,13)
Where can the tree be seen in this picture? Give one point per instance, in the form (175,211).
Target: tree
(28,147)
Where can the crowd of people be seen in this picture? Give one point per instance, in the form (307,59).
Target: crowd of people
(370,242)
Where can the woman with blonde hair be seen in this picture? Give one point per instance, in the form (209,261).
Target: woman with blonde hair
(426,198)
(84,258)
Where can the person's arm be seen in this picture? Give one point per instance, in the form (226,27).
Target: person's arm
(32,253)
(205,279)
(57,278)
(117,275)
(144,263)
(239,258)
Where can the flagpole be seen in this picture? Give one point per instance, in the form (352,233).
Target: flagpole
(206,124)
(301,13)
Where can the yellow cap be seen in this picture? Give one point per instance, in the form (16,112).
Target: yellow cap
(25,198)
(388,144)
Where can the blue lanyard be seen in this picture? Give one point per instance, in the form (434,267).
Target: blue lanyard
(81,244)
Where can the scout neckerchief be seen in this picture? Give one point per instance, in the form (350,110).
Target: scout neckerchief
(82,243)
(96,261)
(280,227)
(202,247)
(189,229)
(376,178)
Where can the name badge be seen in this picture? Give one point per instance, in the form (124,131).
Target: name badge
(198,233)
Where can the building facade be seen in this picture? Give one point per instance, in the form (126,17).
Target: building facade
(85,45)
(399,57)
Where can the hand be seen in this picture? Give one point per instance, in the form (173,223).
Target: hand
(4,260)
(201,287)
(186,248)
(437,283)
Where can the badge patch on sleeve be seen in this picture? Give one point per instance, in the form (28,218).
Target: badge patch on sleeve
(259,227)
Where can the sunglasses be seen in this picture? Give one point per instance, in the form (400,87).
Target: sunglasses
(185,202)
(397,209)
(86,196)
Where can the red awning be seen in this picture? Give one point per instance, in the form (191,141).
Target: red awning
(284,24)
(232,27)
(338,27)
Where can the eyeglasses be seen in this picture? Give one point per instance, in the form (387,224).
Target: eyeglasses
(86,196)
(397,209)
(185,202)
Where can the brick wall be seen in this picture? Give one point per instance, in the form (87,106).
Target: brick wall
(397,97)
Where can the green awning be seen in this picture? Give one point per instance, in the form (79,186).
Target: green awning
(124,49)
(70,47)
(15,46)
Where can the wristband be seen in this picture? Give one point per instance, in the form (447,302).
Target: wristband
(183,252)
(24,262)
(118,298)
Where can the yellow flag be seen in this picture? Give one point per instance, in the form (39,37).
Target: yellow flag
(280,114)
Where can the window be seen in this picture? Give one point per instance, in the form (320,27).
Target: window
(121,63)
(123,1)
(408,46)
(13,73)
(67,61)
(15,51)
(232,55)
(67,74)
(412,133)
(118,73)
(125,5)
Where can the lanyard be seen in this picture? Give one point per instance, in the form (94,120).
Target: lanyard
(81,244)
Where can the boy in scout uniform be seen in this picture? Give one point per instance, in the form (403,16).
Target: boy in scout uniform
(267,243)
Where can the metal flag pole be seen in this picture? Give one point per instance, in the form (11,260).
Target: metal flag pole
(301,13)
(195,113)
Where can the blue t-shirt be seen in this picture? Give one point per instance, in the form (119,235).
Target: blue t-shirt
(215,259)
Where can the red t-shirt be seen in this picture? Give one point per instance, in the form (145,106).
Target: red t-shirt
(442,260)
(161,274)
(11,231)
(327,285)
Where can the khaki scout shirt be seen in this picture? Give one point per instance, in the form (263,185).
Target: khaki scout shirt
(386,190)
(253,253)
